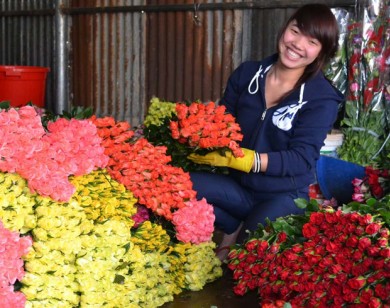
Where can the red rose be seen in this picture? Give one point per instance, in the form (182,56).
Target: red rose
(354,217)
(241,265)
(382,242)
(357,255)
(282,236)
(349,294)
(378,276)
(378,264)
(309,230)
(240,289)
(375,303)
(359,231)
(274,248)
(338,301)
(349,228)
(367,262)
(330,233)
(332,217)
(313,259)
(380,291)
(385,252)
(241,255)
(252,284)
(320,250)
(356,283)
(365,219)
(341,278)
(251,244)
(335,269)
(251,258)
(352,241)
(326,262)
(384,232)
(364,243)
(256,269)
(373,228)
(290,255)
(232,265)
(233,254)
(365,295)
(284,274)
(347,266)
(373,251)
(334,290)
(262,247)
(237,274)
(358,270)
(296,248)
(332,247)
(316,218)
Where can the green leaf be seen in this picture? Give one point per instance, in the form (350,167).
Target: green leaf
(313,206)
(301,203)
(119,279)
(5,105)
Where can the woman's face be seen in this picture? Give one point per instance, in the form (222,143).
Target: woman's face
(296,51)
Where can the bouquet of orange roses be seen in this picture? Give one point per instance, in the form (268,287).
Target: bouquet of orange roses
(193,127)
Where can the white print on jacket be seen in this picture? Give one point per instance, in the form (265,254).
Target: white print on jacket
(283,117)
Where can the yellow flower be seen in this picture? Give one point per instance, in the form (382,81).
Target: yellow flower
(151,237)
(16,203)
(40,234)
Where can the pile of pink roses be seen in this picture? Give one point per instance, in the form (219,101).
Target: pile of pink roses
(12,248)
(46,159)
(194,223)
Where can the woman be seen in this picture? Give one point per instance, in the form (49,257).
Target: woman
(285,107)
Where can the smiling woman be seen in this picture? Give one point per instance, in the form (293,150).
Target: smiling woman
(285,107)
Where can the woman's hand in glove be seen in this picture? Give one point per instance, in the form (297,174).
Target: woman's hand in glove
(215,159)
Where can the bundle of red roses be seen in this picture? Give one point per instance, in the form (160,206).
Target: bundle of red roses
(341,260)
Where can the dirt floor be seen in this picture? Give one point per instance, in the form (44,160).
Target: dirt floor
(218,294)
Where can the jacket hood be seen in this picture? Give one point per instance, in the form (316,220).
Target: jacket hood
(315,91)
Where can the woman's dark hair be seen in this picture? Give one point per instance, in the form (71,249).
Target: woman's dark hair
(317,21)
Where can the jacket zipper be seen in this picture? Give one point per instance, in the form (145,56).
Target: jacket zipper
(263,114)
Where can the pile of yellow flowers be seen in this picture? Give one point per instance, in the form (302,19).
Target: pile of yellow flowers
(158,110)
(86,254)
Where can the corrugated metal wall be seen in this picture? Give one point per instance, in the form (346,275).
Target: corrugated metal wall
(122,52)
(27,36)
(108,58)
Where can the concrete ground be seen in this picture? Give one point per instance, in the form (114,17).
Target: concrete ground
(218,294)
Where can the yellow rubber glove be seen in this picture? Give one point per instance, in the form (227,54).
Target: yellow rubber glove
(215,159)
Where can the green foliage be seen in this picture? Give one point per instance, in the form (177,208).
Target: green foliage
(5,105)
(291,224)
(76,112)
(364,137)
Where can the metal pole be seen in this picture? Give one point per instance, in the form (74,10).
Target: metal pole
(62,102)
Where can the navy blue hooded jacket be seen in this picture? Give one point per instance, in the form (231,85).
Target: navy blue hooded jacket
(291,133)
